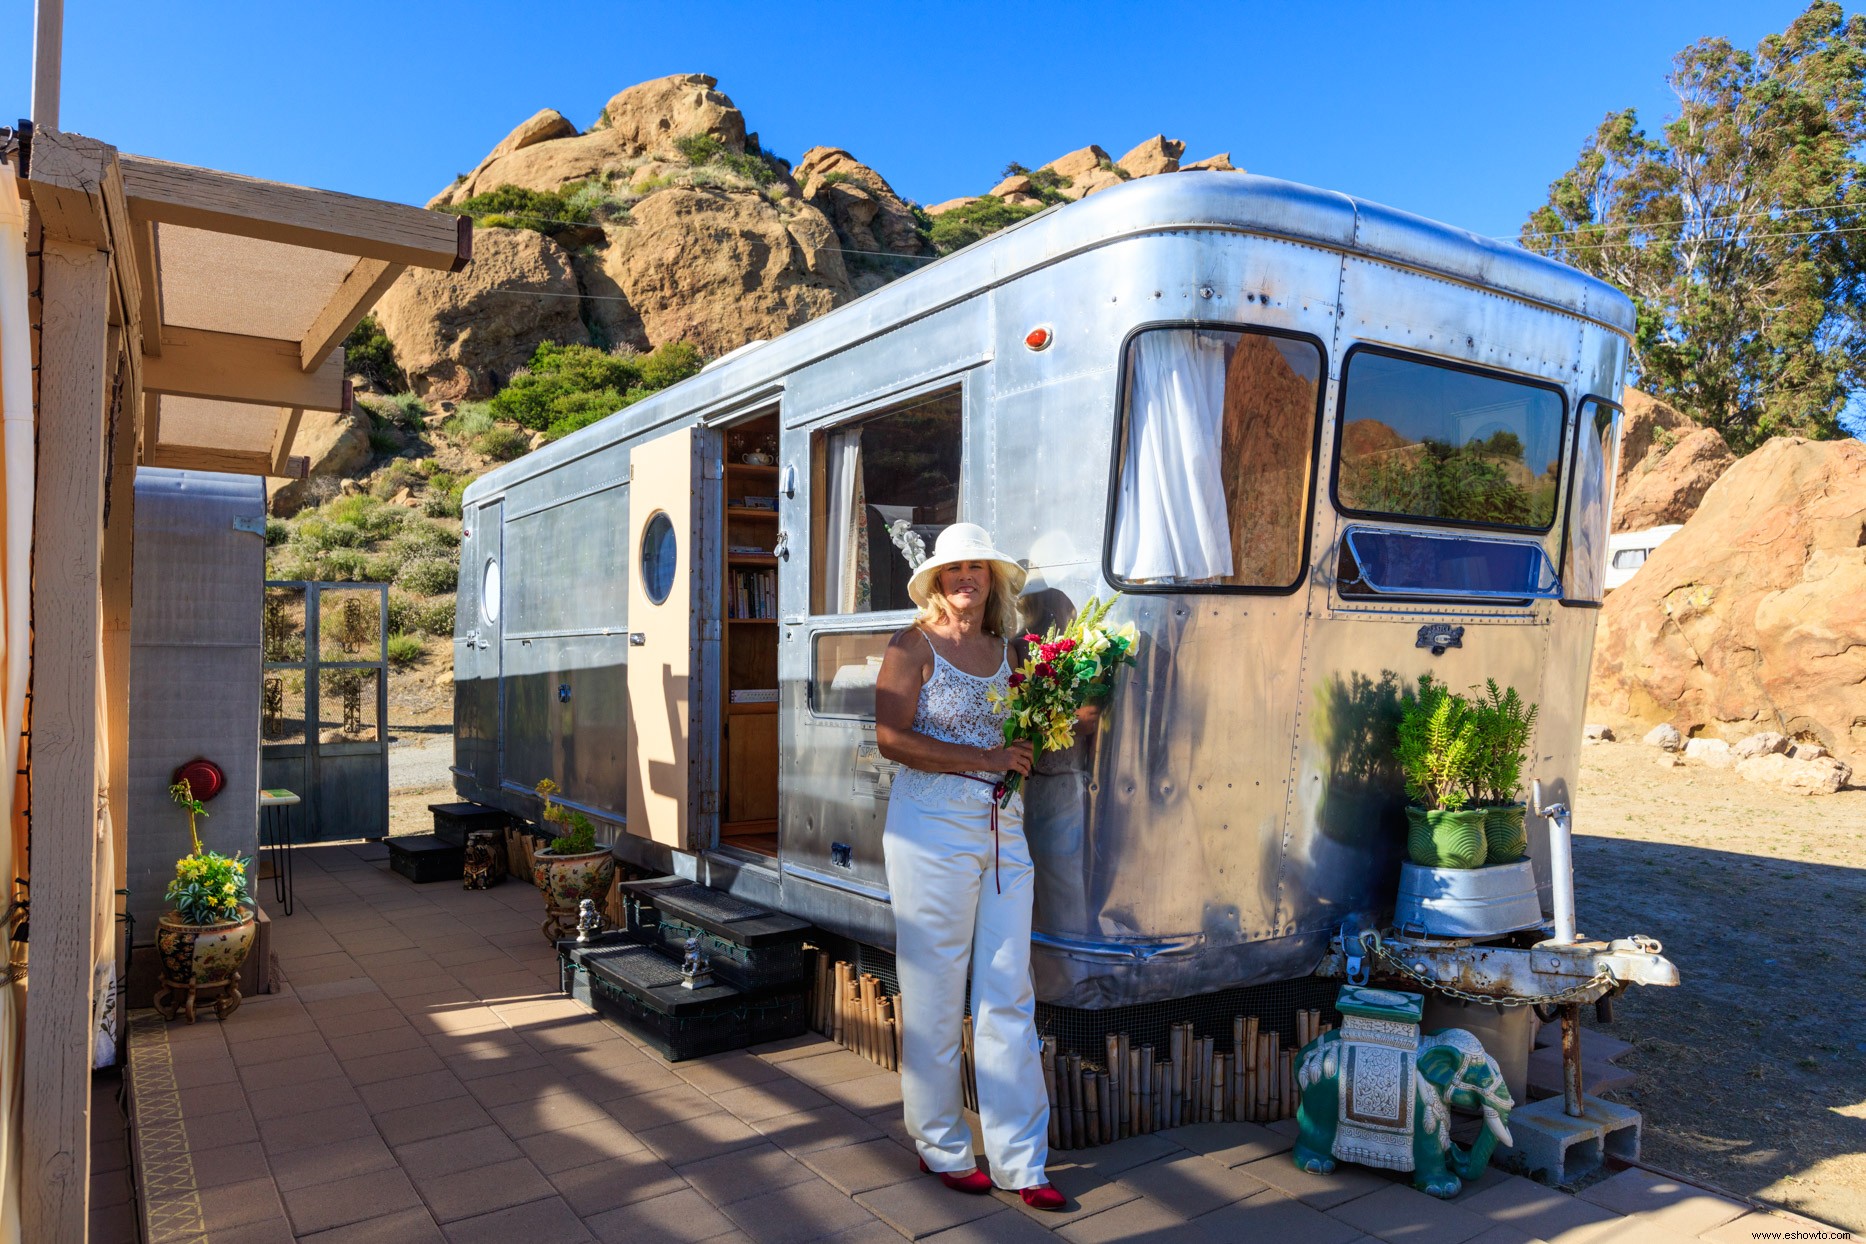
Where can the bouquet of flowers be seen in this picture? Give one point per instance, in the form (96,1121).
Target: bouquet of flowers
(1061,672)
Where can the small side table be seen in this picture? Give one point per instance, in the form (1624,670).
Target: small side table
(275,834)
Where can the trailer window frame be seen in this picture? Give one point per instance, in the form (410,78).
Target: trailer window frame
(1118,455)
(1488,373)
(1610,496)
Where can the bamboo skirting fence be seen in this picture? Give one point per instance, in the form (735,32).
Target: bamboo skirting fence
(1131,1092)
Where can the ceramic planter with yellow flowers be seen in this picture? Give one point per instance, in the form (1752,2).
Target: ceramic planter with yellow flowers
(204,941)
(572,869)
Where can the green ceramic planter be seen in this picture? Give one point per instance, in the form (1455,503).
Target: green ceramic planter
(1439,839)
(1506,834)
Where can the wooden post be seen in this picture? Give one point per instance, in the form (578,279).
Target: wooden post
(1144,1121)
(1048,1060)
(68,517)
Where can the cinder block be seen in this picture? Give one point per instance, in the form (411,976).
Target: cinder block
(1561,1149)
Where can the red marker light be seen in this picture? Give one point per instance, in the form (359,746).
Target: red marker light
(1038,338)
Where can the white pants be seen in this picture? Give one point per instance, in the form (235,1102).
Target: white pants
(948,911)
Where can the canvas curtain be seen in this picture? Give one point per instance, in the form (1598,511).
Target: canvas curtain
(1170,518)
(16,478)
(846,554)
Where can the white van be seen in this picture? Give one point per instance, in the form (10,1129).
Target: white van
(1628,551)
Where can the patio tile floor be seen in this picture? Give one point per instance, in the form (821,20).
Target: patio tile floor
(419,1078)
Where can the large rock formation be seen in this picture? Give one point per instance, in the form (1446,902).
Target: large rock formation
(461,334)
(870,219)
(337,445)
(1754,616)
(1667,462)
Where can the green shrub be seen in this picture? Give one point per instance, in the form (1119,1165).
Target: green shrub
(833,179)
(441,503)
(383,441)
(367,352)
(393,478)
(502,443)
(427,539)
(963,226)
(366,513)
(700,150)
(409,411)
(570,386)
(348,566)
(514,207)
(1504,724)
(469,420)
(318,533)
(429,576)
(278,531)
(1437,747)
(404,650)
(418,617)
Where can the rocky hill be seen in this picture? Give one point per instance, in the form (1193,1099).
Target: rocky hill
(1753,617)
(667,221)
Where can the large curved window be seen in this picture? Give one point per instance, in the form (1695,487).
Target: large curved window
(1445,443)
(1216,454)
(1590,502)
(489,591)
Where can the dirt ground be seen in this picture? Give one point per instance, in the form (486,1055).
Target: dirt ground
(1752,1074)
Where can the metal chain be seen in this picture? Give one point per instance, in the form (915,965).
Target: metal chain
(1575,993)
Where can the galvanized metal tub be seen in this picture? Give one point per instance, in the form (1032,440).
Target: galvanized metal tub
(1467,902)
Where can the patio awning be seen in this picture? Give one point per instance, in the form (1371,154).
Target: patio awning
(247,290)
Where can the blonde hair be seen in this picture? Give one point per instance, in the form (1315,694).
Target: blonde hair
(1001,615)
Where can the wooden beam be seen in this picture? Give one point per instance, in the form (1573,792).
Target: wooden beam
(149,270)
(119,524)
(151,429)
(67,526)
(368,280)
(198,363)
(66,184)
(282,440)
(208,458)
(200,198)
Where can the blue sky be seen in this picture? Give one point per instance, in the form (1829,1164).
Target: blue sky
(1461,112)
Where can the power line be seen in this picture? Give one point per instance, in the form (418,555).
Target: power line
(1754,237)
(1707,220)
(587,224)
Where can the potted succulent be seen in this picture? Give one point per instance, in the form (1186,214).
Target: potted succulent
(572,868)
(1504,724)
(1438,752)
(204,941)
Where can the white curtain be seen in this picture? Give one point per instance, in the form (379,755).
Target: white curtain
(846,537)
(16,477)
(1170,520)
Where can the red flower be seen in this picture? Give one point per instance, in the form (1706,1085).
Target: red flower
(1047,652)
(1017,679)
(1044,670)
(1065,645)
(1031,639)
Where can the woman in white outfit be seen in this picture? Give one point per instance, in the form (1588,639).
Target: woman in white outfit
(959,872)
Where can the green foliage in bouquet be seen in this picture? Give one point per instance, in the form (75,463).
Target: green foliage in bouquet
(1438,747)
(1504,724)
(209,888)
(575,834)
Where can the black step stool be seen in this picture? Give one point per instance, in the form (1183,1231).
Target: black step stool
(454,821)
(641,987)
(425,857)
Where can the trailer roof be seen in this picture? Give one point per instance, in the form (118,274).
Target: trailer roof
(1229,202)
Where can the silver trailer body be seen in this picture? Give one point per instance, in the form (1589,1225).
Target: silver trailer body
(1233,809)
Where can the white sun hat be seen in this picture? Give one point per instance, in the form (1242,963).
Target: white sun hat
(961,542)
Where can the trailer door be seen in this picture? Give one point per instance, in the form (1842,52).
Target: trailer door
(479,724)
(673,642)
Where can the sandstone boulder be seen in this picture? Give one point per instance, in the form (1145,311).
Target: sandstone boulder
(1665,737)
(1078,163)
(864,211)
(1825,776)
(653,115)
(941,208)
(461,334)
(1158,154)
(1713,752)
(337,445)
(1017,183)
(1762,743)
(1220,163)
(1668,485)
(1754,615)
(1649,427)
(1099,179)
(1807,751)
(721,269)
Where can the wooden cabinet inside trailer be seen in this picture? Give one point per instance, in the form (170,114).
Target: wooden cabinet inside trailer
(748,797)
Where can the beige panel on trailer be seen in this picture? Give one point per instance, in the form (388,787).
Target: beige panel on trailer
(661,638)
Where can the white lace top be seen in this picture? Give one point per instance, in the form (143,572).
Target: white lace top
(953,709)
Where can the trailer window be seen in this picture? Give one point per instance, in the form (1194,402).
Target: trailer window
(886,485)
(1217,454)
(843,668)
(1590,502)
(1430,441)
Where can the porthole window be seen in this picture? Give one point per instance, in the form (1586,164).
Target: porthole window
(489,591)
(658,553)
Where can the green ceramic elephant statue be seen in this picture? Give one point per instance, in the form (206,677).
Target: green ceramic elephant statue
(1362,1104)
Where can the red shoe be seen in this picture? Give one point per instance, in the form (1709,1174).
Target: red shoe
(974,1181)
(1043,1196)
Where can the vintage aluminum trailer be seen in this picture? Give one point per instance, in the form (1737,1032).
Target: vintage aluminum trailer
(1249,405)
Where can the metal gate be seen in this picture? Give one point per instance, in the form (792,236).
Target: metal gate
(324,707)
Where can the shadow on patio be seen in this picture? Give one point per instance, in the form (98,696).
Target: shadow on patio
(420,1078)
